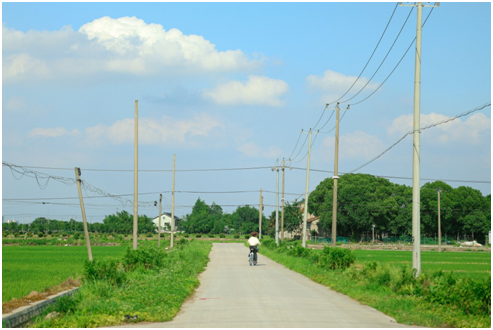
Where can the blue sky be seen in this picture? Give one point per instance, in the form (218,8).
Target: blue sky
(231,85)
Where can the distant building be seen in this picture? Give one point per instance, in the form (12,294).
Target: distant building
(10,221)
(165,222)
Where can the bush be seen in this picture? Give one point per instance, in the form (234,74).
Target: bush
(237,236)
(336,258)
(185,235)
(162,234)
(40,234)
(148,257)
(149,234)
(222,236)
(247,236)
(106,270)
(211,235)
(198,235)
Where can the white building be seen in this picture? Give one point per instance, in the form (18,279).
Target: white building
(165,222)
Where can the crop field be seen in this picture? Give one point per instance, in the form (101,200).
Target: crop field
(35,268)
(471,264)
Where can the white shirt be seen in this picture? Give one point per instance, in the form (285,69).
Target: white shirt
(253,241)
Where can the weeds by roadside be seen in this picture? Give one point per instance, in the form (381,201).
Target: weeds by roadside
(133,288)
(437,300)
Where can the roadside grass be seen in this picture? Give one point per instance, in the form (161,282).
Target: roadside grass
(38,268)
(151,295)
(470,264)
(376,289)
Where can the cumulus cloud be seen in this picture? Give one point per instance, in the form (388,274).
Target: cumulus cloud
(162,130)
(333,85)
(258,90)
(253,150)
(123,45)
(473,130)
(51,132)
(15,104)
(358,145)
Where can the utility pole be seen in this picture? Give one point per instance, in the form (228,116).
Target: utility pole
(282,199)
(276,168)
(260,213)
(173,204)
(335,178)
(439,227)
(136,175)
(416,220)
(86,232)
(305,210)
(159,227)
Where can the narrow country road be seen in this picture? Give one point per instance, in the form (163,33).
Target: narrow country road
(233,294)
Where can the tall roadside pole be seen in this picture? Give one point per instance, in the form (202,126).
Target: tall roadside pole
(277,204)
(86,232)
(439,227)
(335,178)
(173,204)
(159,227)
(282,201)
(305,209)
(260,212)
(136,176)
(416,221)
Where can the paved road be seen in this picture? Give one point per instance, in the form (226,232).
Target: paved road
(233,294)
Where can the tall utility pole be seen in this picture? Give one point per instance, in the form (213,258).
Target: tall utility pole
(282,202)
(416,222)
(276,168)
(86,232)
(136,175)
(159,227)
(260,213)
(305,210)
(173,204)
(439,227)
(335,178)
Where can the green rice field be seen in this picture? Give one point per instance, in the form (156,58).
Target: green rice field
(471,264)
(35,268)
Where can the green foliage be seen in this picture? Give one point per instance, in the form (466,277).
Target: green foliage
(222,235)
(247,236)
(198,235)
(147,256)
(236,236)
(108,270)
(185,235)
(211,235)
(149,234)
(336,258)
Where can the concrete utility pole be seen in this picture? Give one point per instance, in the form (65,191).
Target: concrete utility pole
(173,204)
(416,222)
(439,227)
(276,168)
(136,175)
(282,201)
(86,232)
(159,227)
(305,209)
(260,212)
(335,177)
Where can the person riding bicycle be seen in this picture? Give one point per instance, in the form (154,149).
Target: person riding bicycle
(253,242)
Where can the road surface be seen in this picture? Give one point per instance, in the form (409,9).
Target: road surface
(233,294)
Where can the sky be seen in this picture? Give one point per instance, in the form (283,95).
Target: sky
(228,88)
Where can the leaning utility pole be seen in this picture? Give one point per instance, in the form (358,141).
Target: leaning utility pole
(416,221)
(282,202)
(173,204)
(136,176)
(305,210)
(86,232)
(260,213)
(159,227)
(277,203)
(335,178)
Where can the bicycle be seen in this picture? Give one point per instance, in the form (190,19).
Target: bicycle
(251,260)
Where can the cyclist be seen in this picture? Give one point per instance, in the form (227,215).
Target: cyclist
(253,242)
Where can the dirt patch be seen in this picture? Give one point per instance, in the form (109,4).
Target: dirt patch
(37,296)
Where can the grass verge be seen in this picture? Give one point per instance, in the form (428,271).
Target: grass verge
(146,293)
(391,290)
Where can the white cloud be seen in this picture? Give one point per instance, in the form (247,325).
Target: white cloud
(258,90)
(333,85)
(122,45)
(51,132)
(358,145)
(473,130)
(163,130)
(15,104)
(253,150)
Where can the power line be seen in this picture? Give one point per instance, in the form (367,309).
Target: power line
(116,170)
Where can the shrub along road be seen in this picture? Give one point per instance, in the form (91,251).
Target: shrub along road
(233,294)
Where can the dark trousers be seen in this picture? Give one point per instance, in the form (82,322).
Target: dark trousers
(255,250)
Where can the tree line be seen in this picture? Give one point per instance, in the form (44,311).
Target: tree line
(364,200)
